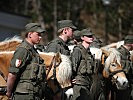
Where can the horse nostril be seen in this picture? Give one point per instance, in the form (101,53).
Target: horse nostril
(125,84)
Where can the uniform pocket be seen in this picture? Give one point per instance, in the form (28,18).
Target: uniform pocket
(34,72)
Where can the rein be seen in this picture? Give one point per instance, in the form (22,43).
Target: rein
(53,77)
(3,76)
(2,88)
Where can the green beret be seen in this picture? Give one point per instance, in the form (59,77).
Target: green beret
(129,39)
(86,32)
(65,23)
(34,27)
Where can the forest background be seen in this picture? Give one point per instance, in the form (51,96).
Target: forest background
(110,23)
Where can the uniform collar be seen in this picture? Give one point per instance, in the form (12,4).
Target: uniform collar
(61,40)
(31,46)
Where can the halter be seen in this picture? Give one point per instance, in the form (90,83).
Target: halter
(54,65)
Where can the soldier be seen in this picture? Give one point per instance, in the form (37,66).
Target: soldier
(27,72)
(65,30)
(77,37)
(97,90)
(83,67)
(76,40)
(127,66)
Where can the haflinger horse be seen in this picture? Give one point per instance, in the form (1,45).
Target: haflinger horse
(113,72)
(10,44)
(57,66)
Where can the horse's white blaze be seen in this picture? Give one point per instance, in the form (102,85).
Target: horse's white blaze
(114,54)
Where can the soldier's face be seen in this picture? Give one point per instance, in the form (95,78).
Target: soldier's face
(35,37)
(70,33)
(88,39)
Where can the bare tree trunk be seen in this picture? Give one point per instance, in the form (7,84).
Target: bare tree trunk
(94,15)
(120,28)
(120,25)
(68,9)
(55,19)
(26,6)
(37,8)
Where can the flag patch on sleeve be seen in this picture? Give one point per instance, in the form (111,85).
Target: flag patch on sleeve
(18,62)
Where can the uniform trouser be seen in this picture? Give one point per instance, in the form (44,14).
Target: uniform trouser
(96,91)
(21,96)
(80,92)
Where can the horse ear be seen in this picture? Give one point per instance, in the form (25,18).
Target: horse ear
(105,52)
(58,58)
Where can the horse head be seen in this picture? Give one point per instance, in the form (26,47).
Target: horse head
(114,70)
(58,67)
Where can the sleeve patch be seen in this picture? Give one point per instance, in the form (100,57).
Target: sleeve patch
(18,62)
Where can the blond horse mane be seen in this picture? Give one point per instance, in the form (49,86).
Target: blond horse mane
(64,69)
(114,54)
(9,44)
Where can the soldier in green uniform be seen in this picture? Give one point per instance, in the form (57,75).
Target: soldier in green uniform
(83,67)
(127,66)
(75,41)
(27,71)
(65,31)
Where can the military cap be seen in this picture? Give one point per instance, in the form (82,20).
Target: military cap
(129,39)
(34,27)
(86,32)
(65,23)
(76,34)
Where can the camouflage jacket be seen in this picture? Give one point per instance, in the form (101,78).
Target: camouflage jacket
(83,65)
(58,45)
(29,67)
(126,62)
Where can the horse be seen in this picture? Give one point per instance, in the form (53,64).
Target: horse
(113,73)
(101,56)
(57,66)
(10,44)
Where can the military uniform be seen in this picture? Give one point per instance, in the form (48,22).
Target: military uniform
(83,68)
(127,66)
(29,67)
(58,45)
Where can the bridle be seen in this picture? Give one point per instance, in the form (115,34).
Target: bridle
(2,88)
(54,65)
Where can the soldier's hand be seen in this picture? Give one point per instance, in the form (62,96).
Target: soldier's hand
(73,81)
(9,95)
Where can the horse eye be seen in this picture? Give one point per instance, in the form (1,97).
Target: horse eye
(113,65)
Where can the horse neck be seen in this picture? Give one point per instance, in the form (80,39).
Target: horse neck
(9,46)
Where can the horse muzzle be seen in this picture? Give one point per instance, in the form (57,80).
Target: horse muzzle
(121,83)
